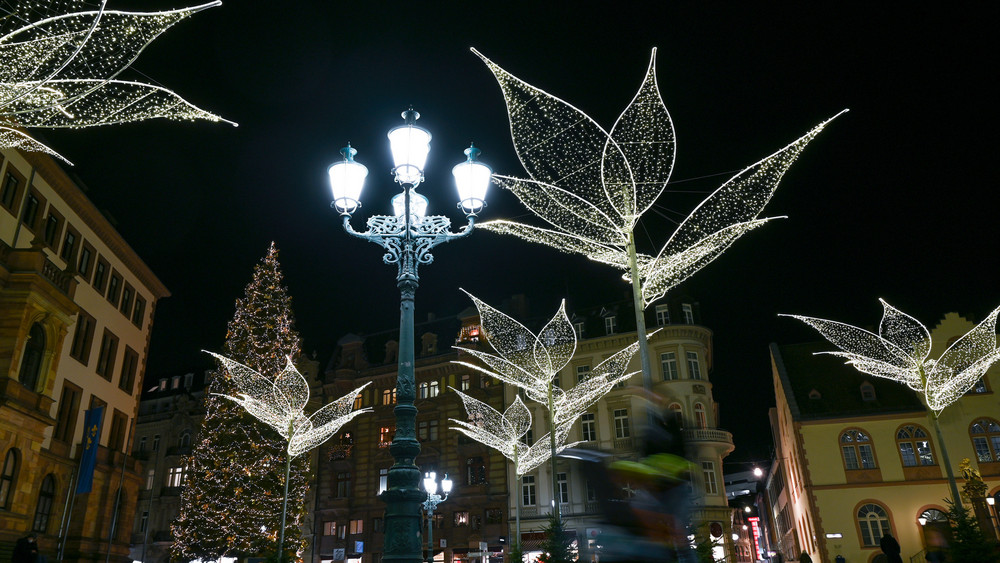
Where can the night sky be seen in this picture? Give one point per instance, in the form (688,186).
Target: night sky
(895,199)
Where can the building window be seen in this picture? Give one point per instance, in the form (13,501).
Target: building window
(678,413)
(385,435)
(114,289)
(578,329)
(31,358)
(389,396)
(465,382)
(101,275)
(662,315)
(68,246)
(329,528)
(589,425)
(668,366)
(53,227)
(609,324)
(494,516)
(528,490)
(139,311)
(694,367)
(150,476)
(69,408)
(357,527)
(711,483)
(11,197)
(175,476)
(462,518)
(144,521)
(377,526)
(528,438)
(475,471)
(867,392)
(688,312)
(563,487)
(188,380)
(106,358)
(700,421)
(428,389)
(582,373)
(8,478)
(857,449)
(873,521)
(359,401)
(29,217)
(175,382)
(985,434)
(156,442)
(126,378)
(126,305)
(83,337)
(185,440)
(914,446)
(46,494)
(427,430)
(621,423)
(142,445)
(119,426)
(343,484)
(383,480)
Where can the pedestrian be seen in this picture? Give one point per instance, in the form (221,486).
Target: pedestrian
(26,550)
(890,547)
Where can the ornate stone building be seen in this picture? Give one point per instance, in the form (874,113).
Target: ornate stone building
(76,313)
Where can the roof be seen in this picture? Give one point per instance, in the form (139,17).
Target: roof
(824,386)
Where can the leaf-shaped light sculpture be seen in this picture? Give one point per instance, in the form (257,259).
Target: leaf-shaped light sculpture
(505,432)
(60,64)
(280,403)
(900,352)
(592,186)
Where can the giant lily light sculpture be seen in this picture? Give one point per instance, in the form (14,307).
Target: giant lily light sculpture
(531,362)
(900,352)
(592,187)
(280,403)
(61,62)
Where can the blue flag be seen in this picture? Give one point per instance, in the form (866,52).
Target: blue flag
(91,440)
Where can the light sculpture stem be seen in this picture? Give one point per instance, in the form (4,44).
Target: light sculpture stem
(517,510)
(552,446)
(956,497)
(640,320)
(407,244)
(284,502)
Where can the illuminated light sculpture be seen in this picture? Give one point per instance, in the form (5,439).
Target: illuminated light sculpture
(900,352)
(280,403)
(61,61)
(531,362)
(592,186)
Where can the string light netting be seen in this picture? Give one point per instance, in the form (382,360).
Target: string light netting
(232,497)
(900,352)
(592,186)
(61,63)
(280,402)
(531,362)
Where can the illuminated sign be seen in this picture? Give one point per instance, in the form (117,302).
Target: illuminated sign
(755,526)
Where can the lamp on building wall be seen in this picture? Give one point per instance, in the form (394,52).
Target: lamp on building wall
(433,499)
(407,237)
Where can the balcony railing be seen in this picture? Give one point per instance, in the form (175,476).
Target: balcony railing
(623,443)
(708,435)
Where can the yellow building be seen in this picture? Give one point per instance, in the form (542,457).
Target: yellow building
(858,457)
(76,310)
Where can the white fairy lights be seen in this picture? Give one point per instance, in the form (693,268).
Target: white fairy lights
(61,60)
(592,186)
(531,362)
(899,352)
(280,403)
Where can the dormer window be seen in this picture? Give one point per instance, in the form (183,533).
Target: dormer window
(688,312)
(391,351)
(578,329)
(610,324)
(815,395)
(662,315)
(867,392)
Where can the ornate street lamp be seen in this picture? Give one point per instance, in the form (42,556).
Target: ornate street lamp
(407,237)
(433,499)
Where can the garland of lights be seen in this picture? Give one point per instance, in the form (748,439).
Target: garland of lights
(899,352)
(61,61)
(280,402)
(592,186)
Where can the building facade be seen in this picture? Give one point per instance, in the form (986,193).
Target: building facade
(76,313)
(857,457)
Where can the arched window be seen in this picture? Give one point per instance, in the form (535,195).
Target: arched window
(914,446)
(31,362)
(699,415)
(678,412)
(185,439)
(932,515)
(985,434)
(44,508)
(857,449)
(873,521)
(8,478)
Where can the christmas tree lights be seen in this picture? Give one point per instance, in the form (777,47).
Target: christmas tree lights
(592,186)
(280,403)
(61,65)
(900,352)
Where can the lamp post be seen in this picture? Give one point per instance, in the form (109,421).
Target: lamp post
(407,237)
(433,499)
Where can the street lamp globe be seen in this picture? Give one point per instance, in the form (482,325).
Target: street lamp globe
(430,483)
(472,178)
(409,145)
(347,178)
(758,472)
(446,485)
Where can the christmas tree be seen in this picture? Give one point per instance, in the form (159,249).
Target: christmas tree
(232,498)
